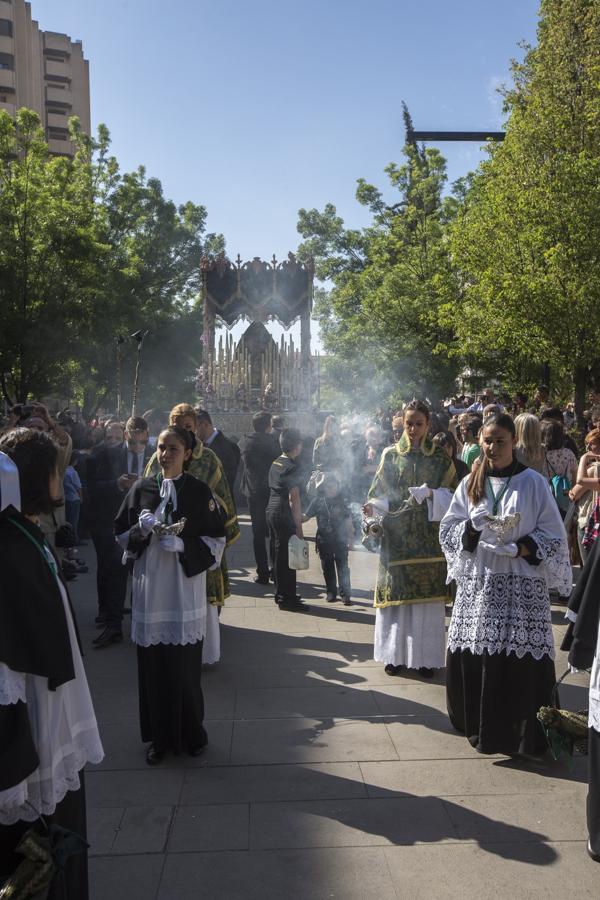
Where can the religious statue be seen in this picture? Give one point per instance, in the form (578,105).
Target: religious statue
(269,396)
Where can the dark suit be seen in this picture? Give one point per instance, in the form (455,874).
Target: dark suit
(259,452)
(228,453)
(104,469)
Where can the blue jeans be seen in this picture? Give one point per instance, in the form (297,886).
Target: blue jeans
(72,510)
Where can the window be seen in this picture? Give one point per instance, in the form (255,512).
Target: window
(7,61)
(6,28)
(58,80)
(58,59)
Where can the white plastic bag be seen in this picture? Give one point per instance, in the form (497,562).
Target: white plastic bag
(297,553)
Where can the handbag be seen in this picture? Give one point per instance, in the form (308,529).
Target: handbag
(297,553)
(565,730)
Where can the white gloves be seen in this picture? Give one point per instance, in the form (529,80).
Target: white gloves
(146,521)
(479,517)
(172,542)
(510,549)
(419,493)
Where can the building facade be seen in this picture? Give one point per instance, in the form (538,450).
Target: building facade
(44,71)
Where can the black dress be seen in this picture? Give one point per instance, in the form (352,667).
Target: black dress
(171,703)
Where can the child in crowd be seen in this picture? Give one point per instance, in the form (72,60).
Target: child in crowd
(335,536)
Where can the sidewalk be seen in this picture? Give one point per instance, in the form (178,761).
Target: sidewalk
(324,777)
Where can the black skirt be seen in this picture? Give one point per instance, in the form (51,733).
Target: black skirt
(593,797)
(170,696)
(72,882)
(493,699)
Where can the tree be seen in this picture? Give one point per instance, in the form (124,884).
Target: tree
(87,254)
(526,241)
(381,320)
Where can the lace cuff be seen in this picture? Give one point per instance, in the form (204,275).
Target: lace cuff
(554,554)
(12,686)
(451,540)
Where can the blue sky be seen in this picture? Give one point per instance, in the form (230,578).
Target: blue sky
(256,108)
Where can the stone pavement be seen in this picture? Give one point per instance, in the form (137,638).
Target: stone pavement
(324,777)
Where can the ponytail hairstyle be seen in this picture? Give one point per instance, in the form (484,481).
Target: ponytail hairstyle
(476,482)
(183,436)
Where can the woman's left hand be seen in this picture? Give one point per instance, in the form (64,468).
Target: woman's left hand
(510,549)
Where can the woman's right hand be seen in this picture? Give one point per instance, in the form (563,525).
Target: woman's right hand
(479,517)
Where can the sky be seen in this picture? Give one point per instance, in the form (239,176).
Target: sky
(256,108)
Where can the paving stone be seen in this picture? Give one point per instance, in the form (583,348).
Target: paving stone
(525,871)
(522,816)
(428,737)
(323,700)
(349,823)
(125,877)
(143,829)
(142,787)
(459,777)
(342,874)
(210,827)
(237,784)
(102,827)
(309,740)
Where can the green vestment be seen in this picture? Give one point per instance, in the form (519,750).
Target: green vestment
(412,567)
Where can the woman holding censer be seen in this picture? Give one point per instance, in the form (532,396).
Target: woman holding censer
(411,583)
(506,547)
(171,525)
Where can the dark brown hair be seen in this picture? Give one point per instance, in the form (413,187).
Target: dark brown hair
(553,435)
(35,455)
(417,406)
(182,434)
(476,482)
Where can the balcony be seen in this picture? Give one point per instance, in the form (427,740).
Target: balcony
(7,81)
(57,43)
(10,108)
(56,121)
(60,148)
(63,70)
(57,95)
(7,44)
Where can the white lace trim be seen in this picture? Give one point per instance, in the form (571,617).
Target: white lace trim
(451,537)
(554,554)
(41,792)
(146,634)
(502,612)
(12,686)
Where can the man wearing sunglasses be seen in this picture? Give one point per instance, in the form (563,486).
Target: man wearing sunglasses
(113,471)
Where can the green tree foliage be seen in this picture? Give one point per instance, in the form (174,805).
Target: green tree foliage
(381,318)
(88,253)
(526,241)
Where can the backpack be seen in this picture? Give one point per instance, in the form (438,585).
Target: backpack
(560,487)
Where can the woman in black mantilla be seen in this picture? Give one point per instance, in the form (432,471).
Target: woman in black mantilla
(168,620)
(48,729)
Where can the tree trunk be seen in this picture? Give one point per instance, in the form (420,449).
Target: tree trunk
(580,381)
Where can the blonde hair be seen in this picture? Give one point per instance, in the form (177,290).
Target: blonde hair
(180,411)
(529,436)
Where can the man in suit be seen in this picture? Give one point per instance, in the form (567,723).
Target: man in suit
(112,471)
(260,450)
(227,451)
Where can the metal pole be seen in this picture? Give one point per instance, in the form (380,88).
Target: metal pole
(120,342)
(139,337)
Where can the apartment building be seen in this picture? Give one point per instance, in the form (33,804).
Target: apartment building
(44,71)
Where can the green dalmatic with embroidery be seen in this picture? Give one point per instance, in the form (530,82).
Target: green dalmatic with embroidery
(412,567)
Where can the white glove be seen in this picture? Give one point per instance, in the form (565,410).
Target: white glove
(146,521)
(172,542)
(510,549)
(479,517)
(419,493)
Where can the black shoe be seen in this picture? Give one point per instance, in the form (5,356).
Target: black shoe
(272,575)
(291,602)
(393,670)
(261,579)
(591,854)
(424,672)
(154,756)
(199,750)
(347,601)
(109,636)
(331,597)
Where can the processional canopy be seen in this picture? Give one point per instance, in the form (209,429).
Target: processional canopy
(258,290)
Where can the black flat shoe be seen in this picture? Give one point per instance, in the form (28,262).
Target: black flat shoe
(260,579)
(591,854)
(424,672)
(393,670)
(331,598)
(109,636)
(198,751)
(154,756)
